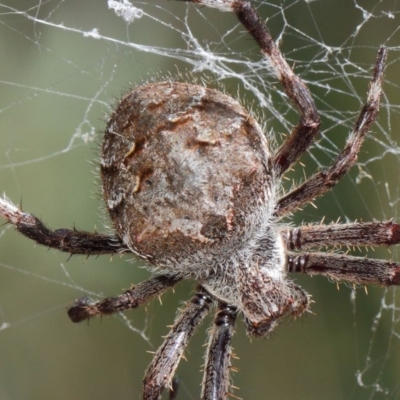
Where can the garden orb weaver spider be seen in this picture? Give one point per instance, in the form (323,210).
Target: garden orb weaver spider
(192,188)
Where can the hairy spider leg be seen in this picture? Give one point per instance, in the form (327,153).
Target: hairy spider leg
(68,240)
(307,129)
(341,267)
(216,383)
(167,357)
(323,181)
(353,234)
(134,297)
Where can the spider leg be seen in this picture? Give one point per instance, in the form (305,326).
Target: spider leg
(304,133)
(355,234)
(216,372)
(67,240)
(323,181)
(167,357)
(131,298)
(341,267)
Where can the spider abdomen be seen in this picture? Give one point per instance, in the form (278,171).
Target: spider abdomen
(183,167)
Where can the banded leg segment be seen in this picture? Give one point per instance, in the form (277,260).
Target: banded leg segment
(340,267)
(216,380)
(166,360)
(385,233)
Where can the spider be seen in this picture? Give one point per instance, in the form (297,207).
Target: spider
(192,188)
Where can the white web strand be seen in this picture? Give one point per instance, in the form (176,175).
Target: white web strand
(64,63)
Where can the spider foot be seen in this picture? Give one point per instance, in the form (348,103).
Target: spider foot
(82,309)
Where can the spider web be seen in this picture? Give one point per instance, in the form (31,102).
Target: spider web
(64,64)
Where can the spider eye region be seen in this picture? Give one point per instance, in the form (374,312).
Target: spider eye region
(183,168)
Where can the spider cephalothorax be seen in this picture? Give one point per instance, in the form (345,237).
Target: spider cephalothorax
(192,188)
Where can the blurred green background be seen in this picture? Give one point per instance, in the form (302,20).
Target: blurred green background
(57,86)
